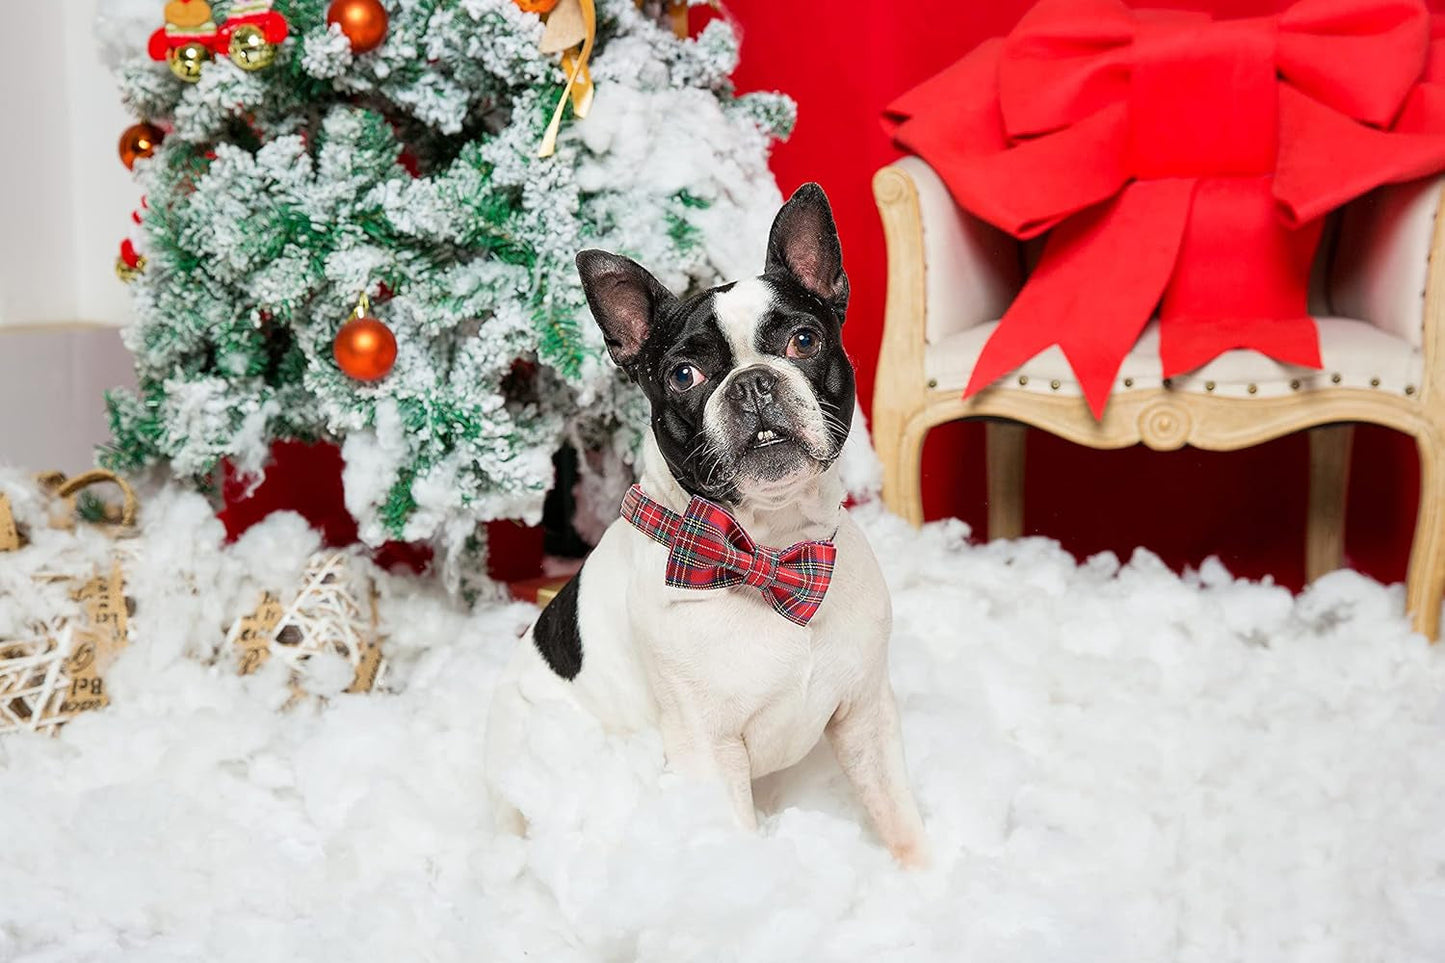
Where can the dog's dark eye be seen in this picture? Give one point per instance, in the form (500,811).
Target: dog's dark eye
(684,376)
(806,343)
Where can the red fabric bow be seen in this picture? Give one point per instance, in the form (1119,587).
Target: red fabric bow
(1179,162)
(709,549)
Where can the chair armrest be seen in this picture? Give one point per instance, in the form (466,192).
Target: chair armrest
(971,270)
(1382,259)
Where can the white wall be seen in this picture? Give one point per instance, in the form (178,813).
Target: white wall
(53,380)
(65,205)
(65,197)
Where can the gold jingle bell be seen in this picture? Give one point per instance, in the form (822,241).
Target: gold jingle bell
(250,50)
(187,60)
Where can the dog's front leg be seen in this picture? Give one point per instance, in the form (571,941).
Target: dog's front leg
(735,769)
(868,741)
(692,751)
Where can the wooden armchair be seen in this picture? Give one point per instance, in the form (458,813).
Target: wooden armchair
(1378,294)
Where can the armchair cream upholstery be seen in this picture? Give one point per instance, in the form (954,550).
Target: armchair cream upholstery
(1378,294)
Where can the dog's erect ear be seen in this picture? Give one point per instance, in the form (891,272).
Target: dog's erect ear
(804,244)
(624,299)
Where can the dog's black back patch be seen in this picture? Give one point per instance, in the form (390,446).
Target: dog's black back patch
(557,634)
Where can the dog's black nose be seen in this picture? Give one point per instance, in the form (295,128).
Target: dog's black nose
(752,388)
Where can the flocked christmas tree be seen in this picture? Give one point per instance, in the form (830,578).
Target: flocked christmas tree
(395,154)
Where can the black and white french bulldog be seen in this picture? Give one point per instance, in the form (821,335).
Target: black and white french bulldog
(752,396)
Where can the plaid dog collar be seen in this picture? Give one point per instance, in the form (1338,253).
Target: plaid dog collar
(709,549)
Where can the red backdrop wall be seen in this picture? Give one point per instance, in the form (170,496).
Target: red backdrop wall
(843,61)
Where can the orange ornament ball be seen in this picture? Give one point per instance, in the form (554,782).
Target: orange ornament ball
(536,6)
(139,140)
(363,22)
(365,349)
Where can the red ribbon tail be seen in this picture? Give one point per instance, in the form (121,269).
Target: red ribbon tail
(1241,281)
(1101,275)
(1187,343)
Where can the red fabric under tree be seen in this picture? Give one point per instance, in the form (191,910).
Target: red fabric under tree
(1176,162)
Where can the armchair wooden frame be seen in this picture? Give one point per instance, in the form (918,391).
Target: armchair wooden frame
(906,408)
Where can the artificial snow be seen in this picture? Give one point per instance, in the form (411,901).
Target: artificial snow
(1114,764)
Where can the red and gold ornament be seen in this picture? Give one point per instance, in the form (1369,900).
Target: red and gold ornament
(251,34)
(188,40)
(363,21)
(364,348)
(130,263)
(139,141)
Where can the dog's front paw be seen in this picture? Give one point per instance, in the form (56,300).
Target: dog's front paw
(912,854)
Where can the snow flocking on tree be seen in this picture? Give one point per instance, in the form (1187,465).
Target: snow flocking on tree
(411,173)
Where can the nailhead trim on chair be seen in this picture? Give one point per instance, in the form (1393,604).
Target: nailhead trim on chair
(1222,389)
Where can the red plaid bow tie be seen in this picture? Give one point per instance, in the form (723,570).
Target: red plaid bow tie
(709,549)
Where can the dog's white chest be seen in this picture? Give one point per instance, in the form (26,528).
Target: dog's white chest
(722,662)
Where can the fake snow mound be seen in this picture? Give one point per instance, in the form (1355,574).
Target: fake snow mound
(1114,764)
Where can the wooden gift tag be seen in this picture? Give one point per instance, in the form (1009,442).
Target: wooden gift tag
(9,534)
(370,664)
(96,641)
(253,633)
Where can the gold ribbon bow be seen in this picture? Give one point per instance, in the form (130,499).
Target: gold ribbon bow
(571,30)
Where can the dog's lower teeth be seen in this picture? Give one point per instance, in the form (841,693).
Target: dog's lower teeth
(766,435)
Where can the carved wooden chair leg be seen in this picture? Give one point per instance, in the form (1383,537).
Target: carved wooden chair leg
(1004,449)
(1426,580)
(1329,490)
(898,433)
(887,430)
(906,498)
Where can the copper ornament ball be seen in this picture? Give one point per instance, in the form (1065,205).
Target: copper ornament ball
(138,141)
(363,21)
(365,349)
(536,6)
